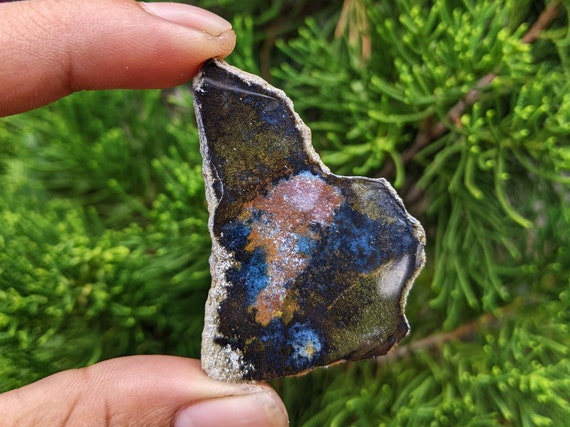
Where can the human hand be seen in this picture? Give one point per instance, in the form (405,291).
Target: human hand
(157,391)
(51,48)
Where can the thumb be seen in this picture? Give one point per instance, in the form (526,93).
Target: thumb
(51,48)
(158,391)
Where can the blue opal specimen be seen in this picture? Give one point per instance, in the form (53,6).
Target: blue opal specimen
(308,268)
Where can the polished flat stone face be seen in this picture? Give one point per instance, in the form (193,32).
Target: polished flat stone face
(308,268)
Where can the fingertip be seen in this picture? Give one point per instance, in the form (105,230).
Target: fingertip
(189,16)
(160,49)
(64,46)
(178,386)
(142,390)
(261,409)
(208,35)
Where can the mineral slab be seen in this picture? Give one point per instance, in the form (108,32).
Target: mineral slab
(308,268)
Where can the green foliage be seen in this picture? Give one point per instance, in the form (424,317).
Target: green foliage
(77,283)
(103,239)
(515,374)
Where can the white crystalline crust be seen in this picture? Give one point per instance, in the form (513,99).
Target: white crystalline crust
(219,362)
(223,362)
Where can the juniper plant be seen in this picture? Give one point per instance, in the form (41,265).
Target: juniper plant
(464,105)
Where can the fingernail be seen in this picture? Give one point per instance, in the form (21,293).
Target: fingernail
(255,410)
(189,16)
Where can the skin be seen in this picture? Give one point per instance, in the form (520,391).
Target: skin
(50,49)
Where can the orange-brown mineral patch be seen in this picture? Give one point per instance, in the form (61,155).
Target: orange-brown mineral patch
(283,220)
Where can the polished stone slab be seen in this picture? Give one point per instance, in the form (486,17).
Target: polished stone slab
(308,268)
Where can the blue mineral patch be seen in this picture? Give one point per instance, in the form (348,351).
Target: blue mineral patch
(235,235)
(251,276)
(306,245)
(307,344)
(365,243)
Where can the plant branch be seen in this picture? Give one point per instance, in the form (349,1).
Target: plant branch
(546,17)
(464,332)
(431,132)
